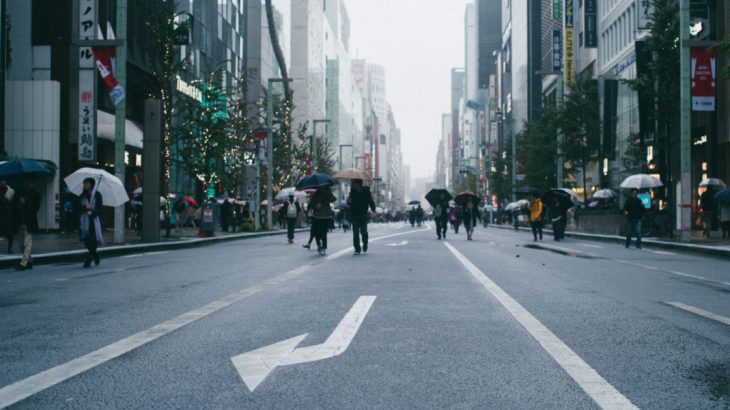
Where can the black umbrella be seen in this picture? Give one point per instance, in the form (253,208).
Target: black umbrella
(19,167)
(526,190)
(563,198)
(464,197)
(434,196)
(414,203)
(315,181)
(723,196)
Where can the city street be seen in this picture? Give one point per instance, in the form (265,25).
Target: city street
(500,322)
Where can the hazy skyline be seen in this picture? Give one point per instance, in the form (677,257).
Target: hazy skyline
(418,43)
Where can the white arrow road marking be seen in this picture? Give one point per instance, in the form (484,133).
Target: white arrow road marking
(254,366)
(403,243)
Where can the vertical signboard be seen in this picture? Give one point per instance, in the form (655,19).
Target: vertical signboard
(87,99)
(569,67)
(590,19)
(557,10)
(557,50)
(704,79)
(646,11)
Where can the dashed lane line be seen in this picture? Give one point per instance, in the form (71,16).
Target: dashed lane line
(700,312)
(29,386)
(674,272)
(593,384)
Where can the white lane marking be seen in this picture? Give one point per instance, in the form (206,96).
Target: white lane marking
(595,386)
(402,243)
(29,386)
(157,253)
(700,312)
(664,253)
(674,272)
(591,246)
(132,256)
(256,365)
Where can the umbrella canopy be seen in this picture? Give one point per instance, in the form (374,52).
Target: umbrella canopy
(563,198)
(110,187)
(713,182)
(434,196)
(605,194)
(283,195)
(641,181)
(723,196)
(315,181)
(414,203)
(137,191)
(463,197)
(191,201)
(351,173)
(18,167)
(517,205)
(526,190)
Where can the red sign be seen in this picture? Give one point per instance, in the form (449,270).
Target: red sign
(366,163)
(704,76)
(105,59)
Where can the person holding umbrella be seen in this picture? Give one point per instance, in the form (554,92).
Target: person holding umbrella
(322,216)
(471,217)
(91,202)
(707,204)
(359,200)
(634,210)
(441,216)
(26,204)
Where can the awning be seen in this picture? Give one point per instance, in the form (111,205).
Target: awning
(105,129)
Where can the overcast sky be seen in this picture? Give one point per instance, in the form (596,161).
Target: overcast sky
(418,42)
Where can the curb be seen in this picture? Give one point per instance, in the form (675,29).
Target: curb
(119,250)
(652,243)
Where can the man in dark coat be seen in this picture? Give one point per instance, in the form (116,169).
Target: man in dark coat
(634,210)
(707,203)
(359,201)
(441,216)
(26,204)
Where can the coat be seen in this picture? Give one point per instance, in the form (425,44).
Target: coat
(91,223)
(320,203)
(536,209)
(6,211)
(27,213)
(359,202)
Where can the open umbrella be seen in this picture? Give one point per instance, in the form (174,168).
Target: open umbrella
(605,194)
(434,196)
(351,173)
(723,196)
(713,182)
(414,203)
(526,190)
(563,198)
(283,195)
(464,197)
(109,186)
(517,205)
(315,181)
(191,201)
(19,167)
(641,181)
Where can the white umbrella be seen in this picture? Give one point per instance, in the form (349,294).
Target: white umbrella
(641,181)
(713,182)
(137,191)
(605,194)
(283,195)
(515,205)
(110,187)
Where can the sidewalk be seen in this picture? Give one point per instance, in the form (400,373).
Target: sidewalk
(56,247)
(714,246)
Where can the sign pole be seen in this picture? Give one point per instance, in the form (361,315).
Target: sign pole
(121,114)
(685,196)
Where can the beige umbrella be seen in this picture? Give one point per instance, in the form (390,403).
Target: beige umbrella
(351,173)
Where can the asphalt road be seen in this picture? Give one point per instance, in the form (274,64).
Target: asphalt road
(500,322)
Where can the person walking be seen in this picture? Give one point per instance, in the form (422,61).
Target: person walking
(419,216)
(359,200)
(323,215)
(26,204)
(536,210)
(91,203)
(470,217)
(634,210)
(441,217)
(455,219)
(707,203)
(6,214)
(558,219)
(225,215)
(180,207)
(290,211)
(310,219)
(725,220)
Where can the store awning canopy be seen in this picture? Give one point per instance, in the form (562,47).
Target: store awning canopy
(105,129)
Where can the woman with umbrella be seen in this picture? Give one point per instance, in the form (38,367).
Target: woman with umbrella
(558,202)
(322,215)
(91,203)
(470,214)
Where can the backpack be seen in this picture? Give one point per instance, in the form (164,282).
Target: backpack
(291,210)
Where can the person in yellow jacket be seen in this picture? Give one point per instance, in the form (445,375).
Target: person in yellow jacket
(536,210)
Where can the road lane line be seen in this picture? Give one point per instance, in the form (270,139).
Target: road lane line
(29,386)
(596,387)
(674,272)
(700,312)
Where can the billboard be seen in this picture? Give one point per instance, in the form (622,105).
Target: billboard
(704,79)
(569,67)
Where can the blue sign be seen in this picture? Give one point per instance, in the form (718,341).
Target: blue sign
(646,200)
(557,50)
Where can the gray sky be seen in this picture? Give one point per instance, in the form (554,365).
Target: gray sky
(418,42)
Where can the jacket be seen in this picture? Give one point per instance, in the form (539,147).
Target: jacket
(634,208)
(360,202)
(27,213)
(536,210)
(320,203)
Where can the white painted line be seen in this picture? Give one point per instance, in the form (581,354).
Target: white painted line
(700,312)
(132,256)
(255,366)
(676,273)
(29,386)
(595,386)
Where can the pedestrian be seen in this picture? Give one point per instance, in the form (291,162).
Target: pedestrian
(290,211)
(470,216)
(634,210)
(412,217)
(419,216)
(536,210)
(558,219)
(441,216)
(225,215)
(310,219)
(26,204)
(6,213)
(707,204)
(91,203)
(455,219)
(180,207)
(359,200)
(725,219)
(323,215)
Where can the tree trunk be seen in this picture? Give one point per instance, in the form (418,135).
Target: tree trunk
(277,49)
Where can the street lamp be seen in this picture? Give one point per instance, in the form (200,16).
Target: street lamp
(314,142)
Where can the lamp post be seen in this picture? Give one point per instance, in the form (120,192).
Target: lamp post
(314,141)
(270,149)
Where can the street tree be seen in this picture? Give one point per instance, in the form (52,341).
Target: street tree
(500,176)
(537,146)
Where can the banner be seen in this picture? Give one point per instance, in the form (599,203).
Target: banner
(704,79)
(557,50)
(590,22)
(569,67)
(87,92)
(105,61)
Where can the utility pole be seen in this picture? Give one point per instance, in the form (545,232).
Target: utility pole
(121,114)
(3,66)
(561,163)
(685,185)
(514,157)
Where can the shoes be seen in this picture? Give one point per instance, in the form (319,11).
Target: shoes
(96,259)
(21,267)
(356,253)
(439,237)
(365,248)
(87,263)
(306,246)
